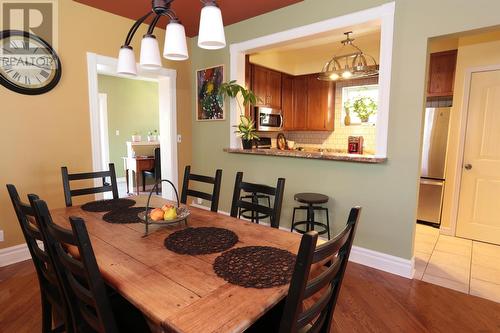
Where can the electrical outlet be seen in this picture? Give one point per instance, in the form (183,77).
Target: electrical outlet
(179,138)
(199,201)
(117,132)
(1,236)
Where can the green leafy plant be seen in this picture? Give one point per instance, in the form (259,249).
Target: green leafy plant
(154,132)
(364,107)
(246,128)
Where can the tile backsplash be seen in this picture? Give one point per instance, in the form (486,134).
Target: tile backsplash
(336,140)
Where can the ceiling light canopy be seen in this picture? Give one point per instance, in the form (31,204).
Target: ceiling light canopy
(351,63)
(211,37)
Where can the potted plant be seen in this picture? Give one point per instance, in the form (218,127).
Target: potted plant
(152,136)
(136,137)
(364,107)
(246,128)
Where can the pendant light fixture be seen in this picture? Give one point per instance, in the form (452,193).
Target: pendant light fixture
(211,37)
(357,64)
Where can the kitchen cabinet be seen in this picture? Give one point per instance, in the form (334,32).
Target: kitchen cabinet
(320,104)
(441,73)
(287,101)
(266,84)
(300,93)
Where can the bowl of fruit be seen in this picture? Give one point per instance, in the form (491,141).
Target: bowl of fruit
(167,214)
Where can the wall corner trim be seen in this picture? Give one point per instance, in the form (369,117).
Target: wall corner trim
(382,261)
(15,254)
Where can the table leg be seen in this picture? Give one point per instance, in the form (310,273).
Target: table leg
(126,179)
(137,183)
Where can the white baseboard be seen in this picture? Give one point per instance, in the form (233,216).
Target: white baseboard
(382,261)
(360,255)
(14,254)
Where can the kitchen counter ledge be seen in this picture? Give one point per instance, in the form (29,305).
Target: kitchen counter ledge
(311,155)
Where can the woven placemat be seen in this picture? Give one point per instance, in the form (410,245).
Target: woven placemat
(124,215)
(256,266)
(203,240)
(107,205)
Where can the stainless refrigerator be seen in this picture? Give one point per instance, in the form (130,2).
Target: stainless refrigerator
(432,178)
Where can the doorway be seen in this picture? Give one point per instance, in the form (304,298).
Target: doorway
(478,214)
(166,80)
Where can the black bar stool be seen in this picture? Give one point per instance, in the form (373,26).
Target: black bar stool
(254,199)
(312,200)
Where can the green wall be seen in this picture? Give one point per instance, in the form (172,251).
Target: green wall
(387,192)
(132,107)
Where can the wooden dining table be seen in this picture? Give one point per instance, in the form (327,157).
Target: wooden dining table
(180,293)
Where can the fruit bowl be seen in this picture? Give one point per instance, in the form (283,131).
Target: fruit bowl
(168,214)
(182,214)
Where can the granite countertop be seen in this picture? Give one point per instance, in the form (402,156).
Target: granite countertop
(332,156)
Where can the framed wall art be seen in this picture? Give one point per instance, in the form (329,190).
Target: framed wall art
(209,104)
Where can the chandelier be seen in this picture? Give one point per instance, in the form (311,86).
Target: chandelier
(352,63)
(211,37)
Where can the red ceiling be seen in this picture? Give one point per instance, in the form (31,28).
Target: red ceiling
(189,10)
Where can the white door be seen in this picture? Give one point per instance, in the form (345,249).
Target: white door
(479,205)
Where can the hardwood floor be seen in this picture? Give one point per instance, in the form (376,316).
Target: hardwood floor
(370,301)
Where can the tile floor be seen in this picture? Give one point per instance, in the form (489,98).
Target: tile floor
(468,266)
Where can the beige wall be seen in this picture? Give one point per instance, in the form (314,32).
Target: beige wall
(47,131)
(473,51)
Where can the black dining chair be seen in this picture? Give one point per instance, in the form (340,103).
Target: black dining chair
(155,173)
(106,187)
(54,307)
(257,190)
(215,181)
(320,292)
(91,307)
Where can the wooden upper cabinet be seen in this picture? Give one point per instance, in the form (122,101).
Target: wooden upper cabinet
(300,93)
(266,84)
(287,101)
(274,89)
(320,104)
(442,73)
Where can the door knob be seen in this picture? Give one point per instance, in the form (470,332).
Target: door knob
(468,166)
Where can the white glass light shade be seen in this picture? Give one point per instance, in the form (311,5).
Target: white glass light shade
(347,74)
(126,61)
(211,35)
(150,53)
(175,42)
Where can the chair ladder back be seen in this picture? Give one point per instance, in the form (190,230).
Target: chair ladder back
(33,237)
(212,197)
(274,213)
(79,274)
(106,187)
(320,314)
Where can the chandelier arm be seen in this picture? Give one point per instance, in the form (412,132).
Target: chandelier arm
(134,28)
(171,15)
(153,24)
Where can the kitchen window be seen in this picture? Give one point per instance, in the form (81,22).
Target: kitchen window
(361,101)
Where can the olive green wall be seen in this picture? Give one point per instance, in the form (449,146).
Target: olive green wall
(132,107)
(387,192)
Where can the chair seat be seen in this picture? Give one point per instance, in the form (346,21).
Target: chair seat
(311,198)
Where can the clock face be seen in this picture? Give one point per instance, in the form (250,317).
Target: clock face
(28,65)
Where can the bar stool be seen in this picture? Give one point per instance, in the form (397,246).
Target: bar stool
(312,200)
(254,199)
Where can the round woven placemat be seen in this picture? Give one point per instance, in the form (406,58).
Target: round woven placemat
(124,215)
(203,240)
(256,266)
(107,205)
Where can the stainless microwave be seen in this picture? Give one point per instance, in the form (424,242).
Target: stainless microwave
(269,119)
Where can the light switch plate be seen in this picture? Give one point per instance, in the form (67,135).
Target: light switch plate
(117,132)
(1,236)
